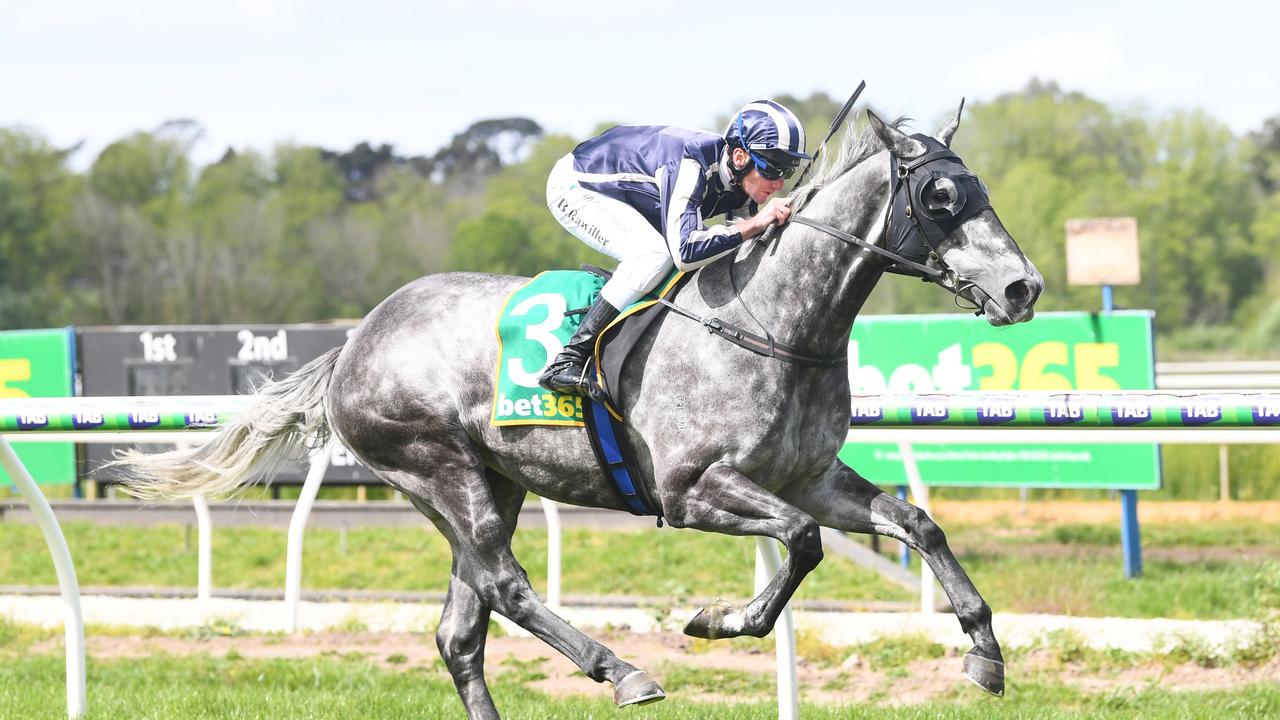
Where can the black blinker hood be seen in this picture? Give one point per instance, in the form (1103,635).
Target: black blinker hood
(914,232)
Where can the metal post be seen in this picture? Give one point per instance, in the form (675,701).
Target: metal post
(1130,535)
(297,526)
(768,563)
(73,618)
(553,553)
(928,588)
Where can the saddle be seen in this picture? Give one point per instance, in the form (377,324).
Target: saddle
(538,312)
(620,337)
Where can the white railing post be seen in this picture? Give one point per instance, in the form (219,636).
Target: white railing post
(73,618)
(920,491)
(297,527)
(1224,475)
(768,563)
(204,551)
(204,539)
(553,553)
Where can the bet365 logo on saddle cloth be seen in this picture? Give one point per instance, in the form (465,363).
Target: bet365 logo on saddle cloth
(532,329)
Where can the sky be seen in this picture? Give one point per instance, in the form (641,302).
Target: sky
(255,73)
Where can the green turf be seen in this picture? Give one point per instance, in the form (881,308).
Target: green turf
(163,687)
(1082,576)
(665,563)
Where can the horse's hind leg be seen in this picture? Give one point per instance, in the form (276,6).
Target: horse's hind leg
(480,538)
(464,620)
(844,500)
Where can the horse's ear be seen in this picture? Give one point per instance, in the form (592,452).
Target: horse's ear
(899,142)
(948,129)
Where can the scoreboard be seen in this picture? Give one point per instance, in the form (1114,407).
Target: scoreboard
(157,360)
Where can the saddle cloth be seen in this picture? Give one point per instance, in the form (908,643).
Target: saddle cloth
(536,321)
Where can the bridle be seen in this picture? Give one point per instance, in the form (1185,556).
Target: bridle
(907,226)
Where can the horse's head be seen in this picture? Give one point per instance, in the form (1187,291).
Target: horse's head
(940,217)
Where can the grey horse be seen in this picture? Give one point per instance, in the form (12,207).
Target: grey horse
(727,440)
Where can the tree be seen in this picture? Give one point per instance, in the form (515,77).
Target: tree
(1046,156)
(233,225)
(360,168)
(481,150)
(1195,209)
(38,260)
(517,234)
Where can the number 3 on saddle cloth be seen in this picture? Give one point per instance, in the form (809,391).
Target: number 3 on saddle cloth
(536,321)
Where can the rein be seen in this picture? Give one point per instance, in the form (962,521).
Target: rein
(946,277)
(760,345)
(934,269)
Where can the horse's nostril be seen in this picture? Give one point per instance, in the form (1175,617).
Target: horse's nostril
(1019,293)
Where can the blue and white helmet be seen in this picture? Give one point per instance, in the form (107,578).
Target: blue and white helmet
(772,135)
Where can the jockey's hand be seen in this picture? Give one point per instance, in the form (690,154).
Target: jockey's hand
(776,210)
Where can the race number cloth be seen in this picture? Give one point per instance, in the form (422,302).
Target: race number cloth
(532,329)
(535,324)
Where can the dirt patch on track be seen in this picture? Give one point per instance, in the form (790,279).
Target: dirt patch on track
(1062,511)
(689,669)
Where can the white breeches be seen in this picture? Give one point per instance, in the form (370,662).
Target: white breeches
(613,228)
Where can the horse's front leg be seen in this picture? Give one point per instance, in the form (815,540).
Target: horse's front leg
(725,501)
(844,500)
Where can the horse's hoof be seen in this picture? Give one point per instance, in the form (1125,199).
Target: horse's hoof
(717,620)
(986,673)
(637,688)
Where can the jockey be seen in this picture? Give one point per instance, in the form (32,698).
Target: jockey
(640,193)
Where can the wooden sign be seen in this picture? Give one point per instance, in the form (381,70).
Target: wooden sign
(1102,251)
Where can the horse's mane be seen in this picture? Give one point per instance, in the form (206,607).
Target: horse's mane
(855,148)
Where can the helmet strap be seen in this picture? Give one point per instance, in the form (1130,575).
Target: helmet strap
(736,174)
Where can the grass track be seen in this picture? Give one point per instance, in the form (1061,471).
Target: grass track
(1214,570)
(31,687)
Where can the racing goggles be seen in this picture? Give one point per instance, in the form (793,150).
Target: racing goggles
(774,164)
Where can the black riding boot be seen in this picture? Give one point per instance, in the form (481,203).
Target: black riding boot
(567,373)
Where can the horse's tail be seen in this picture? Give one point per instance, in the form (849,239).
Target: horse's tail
(286,417)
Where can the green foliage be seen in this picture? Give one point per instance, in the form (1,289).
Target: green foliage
(216,628)
(1092,584)
(517,235)
(1068,647)
(9,631)
(1191,472)
(1190,535)
(303,233)
(515,670)
(897,651)
(38,254)
(677,677)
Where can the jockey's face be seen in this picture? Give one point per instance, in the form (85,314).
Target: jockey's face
(759,189)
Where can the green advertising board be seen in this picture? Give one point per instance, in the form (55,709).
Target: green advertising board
(1055,351)
(33,364)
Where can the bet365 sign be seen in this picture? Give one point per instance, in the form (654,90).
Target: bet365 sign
(37,363)
(1055,351)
